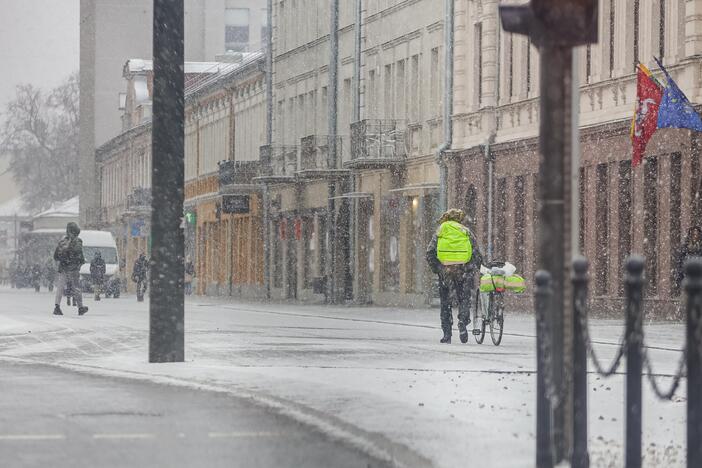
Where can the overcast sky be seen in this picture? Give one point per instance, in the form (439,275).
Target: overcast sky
(39,44)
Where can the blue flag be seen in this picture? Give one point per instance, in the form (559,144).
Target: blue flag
(675,110)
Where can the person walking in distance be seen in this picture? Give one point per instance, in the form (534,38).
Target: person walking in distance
(141,268)
(97,274)
(452,255)
(69,255)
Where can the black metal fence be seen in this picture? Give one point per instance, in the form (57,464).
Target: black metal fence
(631,348)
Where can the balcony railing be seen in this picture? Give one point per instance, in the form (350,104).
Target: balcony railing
(314,152)
(278,161)
(378,140)
(139,199)
(237,172)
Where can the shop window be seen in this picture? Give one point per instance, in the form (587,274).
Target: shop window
(601,230)
(277,255)
(500,231)
(390,255)
(624,206)
(675,215)
(581,218)
(471,207)
(651,223)
(310,242)
(519,222)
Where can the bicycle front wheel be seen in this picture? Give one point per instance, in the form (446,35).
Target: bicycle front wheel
(497,318)
(479,317)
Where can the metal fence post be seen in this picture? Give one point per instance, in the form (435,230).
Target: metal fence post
(542,298)
(693,287)
(581,458)
(634,359)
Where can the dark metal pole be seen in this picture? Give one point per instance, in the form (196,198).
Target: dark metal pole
(693,287)
(554,227)
(581,458)
(166,320)
(542,298)
(634,359)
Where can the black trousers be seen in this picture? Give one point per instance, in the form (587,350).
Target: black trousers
(462,284)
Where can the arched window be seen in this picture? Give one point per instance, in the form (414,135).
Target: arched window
(471,206)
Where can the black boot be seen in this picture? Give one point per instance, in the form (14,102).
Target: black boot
(57,310)
(462,332)
(82,310)
(447,336)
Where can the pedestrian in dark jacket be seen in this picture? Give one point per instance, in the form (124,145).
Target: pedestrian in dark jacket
(35,276)
(50,274)
(454,256)
(69,255)
(691,247)
(139,273)
(97,274)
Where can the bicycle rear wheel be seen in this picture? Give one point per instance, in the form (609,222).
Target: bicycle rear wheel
(497,318)
(479,318)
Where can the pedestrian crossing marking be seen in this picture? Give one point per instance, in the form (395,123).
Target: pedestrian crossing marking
(123,436)
(220,435)
(12,437)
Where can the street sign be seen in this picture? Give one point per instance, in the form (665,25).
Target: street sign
(235,204)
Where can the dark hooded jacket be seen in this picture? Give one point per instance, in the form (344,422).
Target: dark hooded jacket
(69,252)
(97,269)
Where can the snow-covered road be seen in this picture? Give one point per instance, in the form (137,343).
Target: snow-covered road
(376,377)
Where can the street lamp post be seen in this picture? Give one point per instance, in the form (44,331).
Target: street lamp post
(555,27)
(166,319)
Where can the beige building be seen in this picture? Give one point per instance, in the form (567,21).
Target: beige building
(113,31)
(384,186)
(646,209)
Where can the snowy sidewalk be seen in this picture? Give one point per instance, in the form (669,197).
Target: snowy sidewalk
(376,377)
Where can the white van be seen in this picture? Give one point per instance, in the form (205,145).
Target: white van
(103,242)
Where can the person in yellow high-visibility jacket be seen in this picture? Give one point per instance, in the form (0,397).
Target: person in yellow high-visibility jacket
(454,256)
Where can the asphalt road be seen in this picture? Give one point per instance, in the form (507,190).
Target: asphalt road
(55,418)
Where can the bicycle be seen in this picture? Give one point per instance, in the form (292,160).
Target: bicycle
(489,310)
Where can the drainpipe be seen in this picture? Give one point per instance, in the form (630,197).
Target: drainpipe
(332,157)
(269,143)
(490,160)
(353,208)
(448,104)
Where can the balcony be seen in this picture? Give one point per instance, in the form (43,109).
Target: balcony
(235,176)
(278,164)
(314,157)
(377,144)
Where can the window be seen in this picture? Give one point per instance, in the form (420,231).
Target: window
(414,89)
(581,221)
(636,31)
(479,62)
(612,14)
(236,36)
(435,81)
(624,207)
(519,222)
(528,66)
(675,214)
(389,110)
(510,66)
(372,95)
(661,29)
(588,62)
(264,27)
(400,93)
(500,231)
(601,230)
(651,223)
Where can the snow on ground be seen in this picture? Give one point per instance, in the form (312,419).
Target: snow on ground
(377,376)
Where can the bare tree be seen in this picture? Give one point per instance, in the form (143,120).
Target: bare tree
(40,135)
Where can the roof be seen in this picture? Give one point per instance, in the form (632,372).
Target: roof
(97,239)
(66,209)
(14,207)
(141,65)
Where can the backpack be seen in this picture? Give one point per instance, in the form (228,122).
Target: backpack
(63,250)
(454,246)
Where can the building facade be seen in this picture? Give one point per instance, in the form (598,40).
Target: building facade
(224,101)
(624,209)
(113,31)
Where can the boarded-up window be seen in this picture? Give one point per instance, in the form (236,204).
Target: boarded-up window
(651,223)
(601,231)
(624,207)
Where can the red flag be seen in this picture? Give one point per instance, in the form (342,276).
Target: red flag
(648,98)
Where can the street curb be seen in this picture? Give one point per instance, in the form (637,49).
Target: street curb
(374,445)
